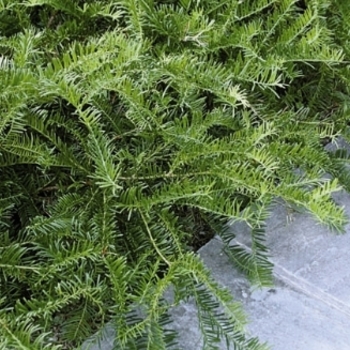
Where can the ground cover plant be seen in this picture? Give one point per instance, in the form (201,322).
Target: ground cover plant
(128,127)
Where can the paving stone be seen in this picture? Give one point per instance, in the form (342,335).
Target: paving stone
(292,315)
(309,251)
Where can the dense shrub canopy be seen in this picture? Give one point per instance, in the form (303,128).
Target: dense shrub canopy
(128,126)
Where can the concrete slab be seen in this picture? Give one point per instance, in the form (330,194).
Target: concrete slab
(290,316)
(306,252)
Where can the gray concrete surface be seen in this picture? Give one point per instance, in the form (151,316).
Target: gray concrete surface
(309,307)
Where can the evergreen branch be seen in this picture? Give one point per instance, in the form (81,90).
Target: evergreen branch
(152,239)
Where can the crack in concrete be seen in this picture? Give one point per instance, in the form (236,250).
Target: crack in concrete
(309,289)
(305,287)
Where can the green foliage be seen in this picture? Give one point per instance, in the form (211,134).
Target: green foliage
(125,125)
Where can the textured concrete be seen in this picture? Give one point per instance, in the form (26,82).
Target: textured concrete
(309,307)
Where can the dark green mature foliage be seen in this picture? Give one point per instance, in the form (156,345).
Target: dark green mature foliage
(127,125)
